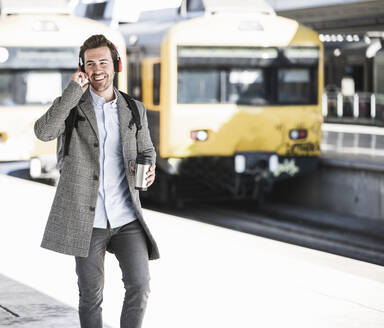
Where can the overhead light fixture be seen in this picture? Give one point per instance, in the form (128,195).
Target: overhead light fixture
(373,48)
(337,52)
(349,38)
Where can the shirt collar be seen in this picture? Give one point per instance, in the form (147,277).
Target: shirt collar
(100,101)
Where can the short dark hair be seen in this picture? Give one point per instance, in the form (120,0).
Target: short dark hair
(97,41)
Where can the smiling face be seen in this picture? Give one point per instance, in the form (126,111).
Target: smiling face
(100,70)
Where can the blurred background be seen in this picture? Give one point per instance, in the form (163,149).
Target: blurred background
(267,118)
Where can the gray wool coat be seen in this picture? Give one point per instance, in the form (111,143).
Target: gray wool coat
(70,222)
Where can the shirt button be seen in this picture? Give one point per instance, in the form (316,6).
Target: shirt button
(91,208)
(95,177)
(95,145)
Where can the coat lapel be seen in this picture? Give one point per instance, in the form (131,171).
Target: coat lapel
(86,106)
(125,114)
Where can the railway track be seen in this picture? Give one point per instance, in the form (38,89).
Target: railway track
(360,239)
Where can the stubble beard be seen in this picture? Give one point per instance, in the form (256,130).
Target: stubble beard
(102,87)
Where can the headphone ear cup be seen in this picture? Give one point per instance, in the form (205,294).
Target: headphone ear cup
(81,65)
(117,65)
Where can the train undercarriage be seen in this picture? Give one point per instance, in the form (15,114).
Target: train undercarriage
(243,176)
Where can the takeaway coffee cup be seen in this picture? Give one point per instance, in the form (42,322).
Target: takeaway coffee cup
(142,166)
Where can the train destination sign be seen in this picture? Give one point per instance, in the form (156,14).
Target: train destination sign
(246,56)
(34,57)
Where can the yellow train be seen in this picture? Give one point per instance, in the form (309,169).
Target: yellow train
(233,99)
(38,55)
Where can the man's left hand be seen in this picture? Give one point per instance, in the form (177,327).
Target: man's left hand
(151,175)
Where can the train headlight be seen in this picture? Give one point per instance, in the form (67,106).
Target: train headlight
(298,134)
(35,168)
(240,163)
(199,135)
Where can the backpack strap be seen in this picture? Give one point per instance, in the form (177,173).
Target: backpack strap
(135,111)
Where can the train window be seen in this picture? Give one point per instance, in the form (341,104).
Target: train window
(32,87)
(198,86)
(294,86)
(134,77)
(211,86)
(246,87)
(35,93)
(6,97)
(95,10)
(195,6)
(156,83)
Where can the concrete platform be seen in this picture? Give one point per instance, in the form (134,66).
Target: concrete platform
(22,306)
(208,277)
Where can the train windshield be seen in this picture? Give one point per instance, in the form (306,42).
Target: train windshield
(221,86)
(294,86)
(249,77)
(32,87)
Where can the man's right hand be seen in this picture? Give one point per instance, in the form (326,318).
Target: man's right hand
(81,78)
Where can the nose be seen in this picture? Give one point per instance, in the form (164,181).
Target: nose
(98,67)
(95,68)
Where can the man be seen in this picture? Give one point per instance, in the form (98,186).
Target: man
(96,207)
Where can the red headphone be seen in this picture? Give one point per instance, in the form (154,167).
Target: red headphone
(117,65)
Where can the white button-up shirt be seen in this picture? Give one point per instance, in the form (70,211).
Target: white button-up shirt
(114,200)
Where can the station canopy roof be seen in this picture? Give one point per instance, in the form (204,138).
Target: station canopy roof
(9,7)
(237,5)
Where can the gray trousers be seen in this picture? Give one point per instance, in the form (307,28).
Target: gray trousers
(128,243)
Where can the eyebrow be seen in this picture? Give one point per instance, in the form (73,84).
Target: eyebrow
(91,60)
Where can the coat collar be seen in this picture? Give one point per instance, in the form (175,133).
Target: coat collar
(124,112)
